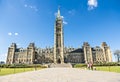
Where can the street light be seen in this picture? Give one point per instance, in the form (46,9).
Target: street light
(14,67)
(35,64)
(0,66)
(24,66)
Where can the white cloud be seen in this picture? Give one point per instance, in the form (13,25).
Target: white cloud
(56,15)
(36,9)
(16,34)
(64,22)
(72,12)
(9,33)
(25,5)
(62,17)
(18,44)
(31,7)
(92,4)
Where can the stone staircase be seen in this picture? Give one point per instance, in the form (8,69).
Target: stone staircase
(64,65)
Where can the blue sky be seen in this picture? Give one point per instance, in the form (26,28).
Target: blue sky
(25,21)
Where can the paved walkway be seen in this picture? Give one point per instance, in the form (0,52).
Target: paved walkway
(62,75)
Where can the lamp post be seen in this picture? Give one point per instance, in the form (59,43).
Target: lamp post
(0,66)
(35,64)
(14,67)
(24,66)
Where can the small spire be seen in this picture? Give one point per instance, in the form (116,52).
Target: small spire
(58,14)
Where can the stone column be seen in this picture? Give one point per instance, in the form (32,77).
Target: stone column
(54,44)
(85,58)
(62,45)
(104,53)
(109,55)
(91,57)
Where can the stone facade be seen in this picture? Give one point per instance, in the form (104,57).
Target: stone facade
(58,53)
(84,54)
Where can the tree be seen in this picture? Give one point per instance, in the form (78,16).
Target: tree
(117,54)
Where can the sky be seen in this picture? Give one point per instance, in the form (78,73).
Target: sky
(26,21)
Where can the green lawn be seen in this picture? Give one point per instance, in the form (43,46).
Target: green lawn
(100,68)
(6,71)
(109,68)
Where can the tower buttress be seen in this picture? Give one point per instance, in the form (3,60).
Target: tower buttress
(11,54)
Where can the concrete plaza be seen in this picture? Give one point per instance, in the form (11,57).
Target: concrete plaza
(62,75)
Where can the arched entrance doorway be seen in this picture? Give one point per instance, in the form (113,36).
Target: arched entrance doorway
(59,61)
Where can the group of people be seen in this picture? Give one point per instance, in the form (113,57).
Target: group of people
(90,66)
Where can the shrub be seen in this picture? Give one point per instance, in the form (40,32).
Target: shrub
(106,64)
(98,64)
(22,66)
(79,65)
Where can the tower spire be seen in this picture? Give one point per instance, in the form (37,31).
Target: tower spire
(58,14)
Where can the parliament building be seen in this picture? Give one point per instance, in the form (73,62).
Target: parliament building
(58,53)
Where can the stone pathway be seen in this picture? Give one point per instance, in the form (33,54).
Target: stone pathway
(62,75)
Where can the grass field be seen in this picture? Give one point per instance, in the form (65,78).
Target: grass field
(100,68)
(6,71)
(109,68)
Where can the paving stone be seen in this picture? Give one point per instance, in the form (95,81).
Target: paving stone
(62,75)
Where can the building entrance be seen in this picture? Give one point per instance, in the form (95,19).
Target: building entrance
(59,61)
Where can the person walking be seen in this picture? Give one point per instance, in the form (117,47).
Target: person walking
(88,65)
